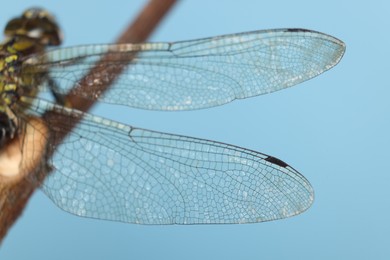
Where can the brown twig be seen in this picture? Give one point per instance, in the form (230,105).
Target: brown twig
(15,192)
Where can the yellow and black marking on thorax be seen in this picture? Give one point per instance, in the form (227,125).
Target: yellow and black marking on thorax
(28,34)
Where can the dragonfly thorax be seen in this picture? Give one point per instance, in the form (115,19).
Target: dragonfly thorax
(28,34)
(9,74)
(8,93)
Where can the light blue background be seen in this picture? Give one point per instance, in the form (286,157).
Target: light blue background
(334,129)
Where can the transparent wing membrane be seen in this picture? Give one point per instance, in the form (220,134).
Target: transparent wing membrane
(112,171)
(195,74)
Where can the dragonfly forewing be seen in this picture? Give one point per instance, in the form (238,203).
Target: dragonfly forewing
(195,74)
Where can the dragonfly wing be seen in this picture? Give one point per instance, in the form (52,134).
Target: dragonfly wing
(112,171)
(194,74)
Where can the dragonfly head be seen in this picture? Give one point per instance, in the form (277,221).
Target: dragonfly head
(35,24)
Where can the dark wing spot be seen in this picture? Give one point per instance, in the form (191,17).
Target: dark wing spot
(276,161)
(297,30)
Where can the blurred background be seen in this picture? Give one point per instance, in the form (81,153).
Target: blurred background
(333,129)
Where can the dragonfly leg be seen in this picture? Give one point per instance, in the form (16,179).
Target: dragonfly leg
(8,129)
(59,97)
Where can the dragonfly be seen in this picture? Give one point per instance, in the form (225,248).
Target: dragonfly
(108,170)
